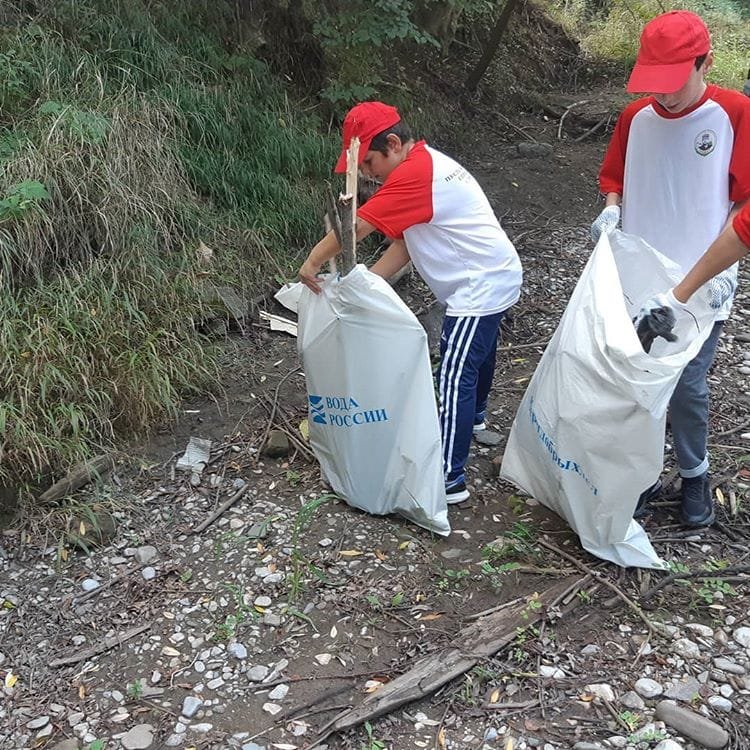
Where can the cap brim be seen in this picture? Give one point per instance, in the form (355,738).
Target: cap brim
(659,79)
(364,147)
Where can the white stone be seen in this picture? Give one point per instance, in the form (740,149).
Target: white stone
(602,691)
(699,629)
(271,708)
(727,691)
(548,671)
(139,737)
(190,706)
(263,601)
(279,693)
(145,554)
(720,703)
(148,574)
(686,648)
(668,745)
(89,584)
(257,674)
(648,688)
(38,723)
(742,636)
(201,728)
(237,650)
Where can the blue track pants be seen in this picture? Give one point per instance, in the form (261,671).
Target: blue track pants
(468,346)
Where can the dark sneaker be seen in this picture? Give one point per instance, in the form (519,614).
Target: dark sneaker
(697,503)
(647,496)
(457,493)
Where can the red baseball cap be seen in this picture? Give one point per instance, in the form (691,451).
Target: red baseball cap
(669,45)
(365,121)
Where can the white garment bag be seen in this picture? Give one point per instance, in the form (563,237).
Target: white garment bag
(588,437)
(373,413)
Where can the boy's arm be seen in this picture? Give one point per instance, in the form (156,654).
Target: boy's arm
(392,260)
(325,250)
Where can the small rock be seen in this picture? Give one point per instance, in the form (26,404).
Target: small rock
(174,740)
(279,692)
(725,665)
(271,708)
(617,741)
(148,574)
(720,703)
(38,723)
(277,444)
(602,691)
(271,619)
(237,651)
(253,746)
(204,728)
(257,531)
(590,650)
(190,706)
(145,554)
(668,745)
(452,554)
(325,542)
(633,701)
(533,150)
(742,636)
(488,437)
(550,671)
(90,584)
(139,737)
(648,688)
(686,648)
(587,746)
(263,601)
(71,744)
(257,674)
(323,659)
(685,690)
(702,630)
(692,725)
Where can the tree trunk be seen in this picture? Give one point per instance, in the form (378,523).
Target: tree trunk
(492,44)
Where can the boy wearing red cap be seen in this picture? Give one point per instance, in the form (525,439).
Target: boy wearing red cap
(439,218)
(676,170)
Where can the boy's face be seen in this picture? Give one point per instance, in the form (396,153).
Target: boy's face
(691,91)
(378,166)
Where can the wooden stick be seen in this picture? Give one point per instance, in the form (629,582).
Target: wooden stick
(79,476)
(100,648)
(348,206)
(226,504)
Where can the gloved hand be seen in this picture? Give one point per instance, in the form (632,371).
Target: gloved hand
(721,288)
(656,318)
(607,220)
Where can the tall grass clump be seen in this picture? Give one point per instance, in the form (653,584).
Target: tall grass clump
(611,30)
(129,138)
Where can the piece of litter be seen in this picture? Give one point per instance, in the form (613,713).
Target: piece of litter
(278,323)
(197,454)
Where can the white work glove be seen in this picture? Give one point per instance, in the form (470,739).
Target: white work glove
(657,318)
(721,288)
(607,220)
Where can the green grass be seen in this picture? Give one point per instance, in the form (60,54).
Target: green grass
(131,132)
(613,33)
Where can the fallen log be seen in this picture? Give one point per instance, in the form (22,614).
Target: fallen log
(79,476)
(479,640)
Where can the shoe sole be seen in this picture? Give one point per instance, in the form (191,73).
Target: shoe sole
(458,497)
(698,522)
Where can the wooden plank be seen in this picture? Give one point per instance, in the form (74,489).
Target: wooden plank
(79,476)
(481,639)
(348,210)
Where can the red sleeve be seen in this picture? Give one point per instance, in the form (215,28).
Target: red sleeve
(405,199)
(737,106)
(612,172)
(741,224)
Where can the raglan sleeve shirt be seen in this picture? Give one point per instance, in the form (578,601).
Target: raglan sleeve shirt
(405,199)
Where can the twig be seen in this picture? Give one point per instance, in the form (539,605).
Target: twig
(509,706)
(101,647)
(439,743)
(593,129)
(512,347)
(273,410)
(565,114)
(603,579)
(226,504)
(672,577)
(738,428)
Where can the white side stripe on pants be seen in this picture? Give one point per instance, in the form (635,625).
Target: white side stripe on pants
(451,370)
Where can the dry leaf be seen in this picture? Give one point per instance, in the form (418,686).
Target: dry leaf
(334,632)
(350,553)
(304,429)
(372,685)
(510,744)
(205,253)
(169,651)
(532,725)
(719,496)
(81,692)
(380,555)
(82,528)
(432,616)
(495,697)
(10,679)
(405,544)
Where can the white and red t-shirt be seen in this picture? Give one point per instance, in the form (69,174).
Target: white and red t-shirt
(741,224)
(453,237)
(680,174)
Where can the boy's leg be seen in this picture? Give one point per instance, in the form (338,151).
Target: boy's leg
(688,409)
(464,349)
(486,374)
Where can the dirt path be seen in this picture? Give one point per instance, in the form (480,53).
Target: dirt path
(259,630)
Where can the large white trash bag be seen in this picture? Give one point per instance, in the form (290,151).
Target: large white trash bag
(588,435)
(373,415)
